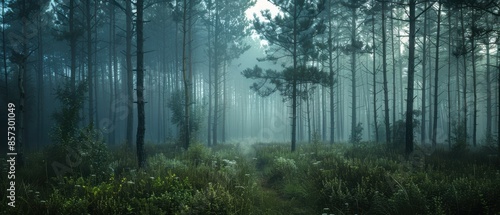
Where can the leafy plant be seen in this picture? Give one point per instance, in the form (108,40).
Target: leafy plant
(355,137)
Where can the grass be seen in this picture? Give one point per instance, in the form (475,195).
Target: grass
(262,179)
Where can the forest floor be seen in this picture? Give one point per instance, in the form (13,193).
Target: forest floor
(318,179)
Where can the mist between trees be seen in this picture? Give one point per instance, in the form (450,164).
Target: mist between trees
(178,72)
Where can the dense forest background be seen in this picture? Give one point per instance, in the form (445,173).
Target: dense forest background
(345,71)
(250,107)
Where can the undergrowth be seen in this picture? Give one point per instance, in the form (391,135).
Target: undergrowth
(316,179)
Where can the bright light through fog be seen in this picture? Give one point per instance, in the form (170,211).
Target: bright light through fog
(259,6)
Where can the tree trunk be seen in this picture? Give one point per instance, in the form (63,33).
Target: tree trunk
(140,85)
(309,132)
(384,71)
(449,78)
(489,116)
(424,80)
(185,76)
(40,73)
(389,140)
(464,87)
(72,43)
(330,67)
(374,77)
(130,75)
(90,75)
(224,103)
(294,82)
(210,57)
(411,74)
(353,72)
(216,75)
(474,85)
(436,68)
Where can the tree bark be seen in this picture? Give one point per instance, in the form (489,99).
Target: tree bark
(90,75)
(130,75)
(436,68)
(411,74)
(140,85)
(330,63)
(185,76)
(424,79)
(72,43)
(353,73)
(474,79)
(374,76)
(384,71)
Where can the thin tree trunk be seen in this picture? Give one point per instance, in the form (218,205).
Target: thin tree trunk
(384,71)
(216,75)
(411,74)
(436,66)
(424,80)
(389,140)
(130,75)
(185,76)
(210,57)
(449,78)
(464,93)
(374,77)
(72,44)
(474,85)
(489,116)
(140,85)
(294,81)
(353,72)
(90,76)
(224,102)
(40,72)
(332,101)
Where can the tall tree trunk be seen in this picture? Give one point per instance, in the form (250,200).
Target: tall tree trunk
(384,71)
(72,43)
(411,74)
(424,80)
(474,85)
(210,95)
(185,76)
(140,85)
(498,101)
(353,72)
(436,82)
(90,75)
(130,75)
(489,116)
(332,101)
(323,114)
(224,102)
(330,67)
(464,87)
(450,45)
(389,140)
(294,81)
(374,77)
(40,87)
(96,95)
(217,60)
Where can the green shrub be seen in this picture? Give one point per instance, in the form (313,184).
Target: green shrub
(356,135)
(215,199)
